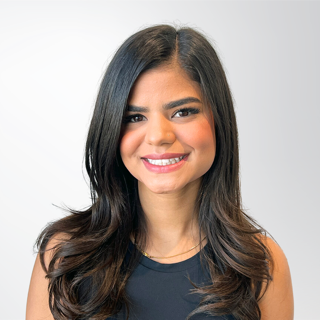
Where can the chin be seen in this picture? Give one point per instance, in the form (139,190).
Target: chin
(161,188)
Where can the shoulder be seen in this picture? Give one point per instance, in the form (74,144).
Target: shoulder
(277,302)
(52,245)
(38,295)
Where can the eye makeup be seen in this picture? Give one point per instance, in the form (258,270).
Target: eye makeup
(137,117)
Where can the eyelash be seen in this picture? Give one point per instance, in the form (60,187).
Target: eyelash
(129,119)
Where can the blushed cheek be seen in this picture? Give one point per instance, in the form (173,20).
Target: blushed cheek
(128,145)
(207,135)
(201,137)
(205,143)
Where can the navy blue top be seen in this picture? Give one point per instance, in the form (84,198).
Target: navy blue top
(162,291)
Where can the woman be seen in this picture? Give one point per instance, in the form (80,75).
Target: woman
(165,237)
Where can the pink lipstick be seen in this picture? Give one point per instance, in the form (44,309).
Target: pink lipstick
(164,163)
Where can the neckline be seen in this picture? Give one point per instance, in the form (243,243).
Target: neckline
(171,267)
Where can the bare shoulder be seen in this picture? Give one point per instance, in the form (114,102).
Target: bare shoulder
(38,296)
(277,303)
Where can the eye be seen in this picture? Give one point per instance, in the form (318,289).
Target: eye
(133,118)
(185,112)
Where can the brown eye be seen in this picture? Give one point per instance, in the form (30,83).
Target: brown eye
(185,112)
(136,118)
(133,119)
(182,113)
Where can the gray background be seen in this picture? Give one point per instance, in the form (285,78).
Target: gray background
(52,58)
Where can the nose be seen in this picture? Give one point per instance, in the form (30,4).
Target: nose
(159,131)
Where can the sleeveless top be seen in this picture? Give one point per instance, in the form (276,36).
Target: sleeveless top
(163,291)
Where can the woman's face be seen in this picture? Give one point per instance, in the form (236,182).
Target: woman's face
(168,139)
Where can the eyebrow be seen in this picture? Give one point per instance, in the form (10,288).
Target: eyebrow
(167,106)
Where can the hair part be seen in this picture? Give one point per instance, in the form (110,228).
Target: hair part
(97,239)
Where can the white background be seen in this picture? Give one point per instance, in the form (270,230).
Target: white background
(53,55)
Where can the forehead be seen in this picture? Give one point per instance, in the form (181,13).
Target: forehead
(161,85)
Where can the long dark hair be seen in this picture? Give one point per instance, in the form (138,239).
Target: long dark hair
(94,242)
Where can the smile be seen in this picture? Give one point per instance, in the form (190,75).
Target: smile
(165,162)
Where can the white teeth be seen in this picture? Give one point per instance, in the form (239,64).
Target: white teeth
(165,162)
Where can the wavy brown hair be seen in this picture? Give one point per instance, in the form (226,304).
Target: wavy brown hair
(94,243)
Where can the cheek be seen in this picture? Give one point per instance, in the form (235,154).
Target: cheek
(128,144)
(201,137)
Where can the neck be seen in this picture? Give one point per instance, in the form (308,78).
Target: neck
(172,222)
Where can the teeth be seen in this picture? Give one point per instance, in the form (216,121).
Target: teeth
(165,162)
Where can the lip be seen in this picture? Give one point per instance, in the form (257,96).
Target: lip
(168,168)
(163,156)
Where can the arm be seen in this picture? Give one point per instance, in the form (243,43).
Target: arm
(277,303)
(38,296)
